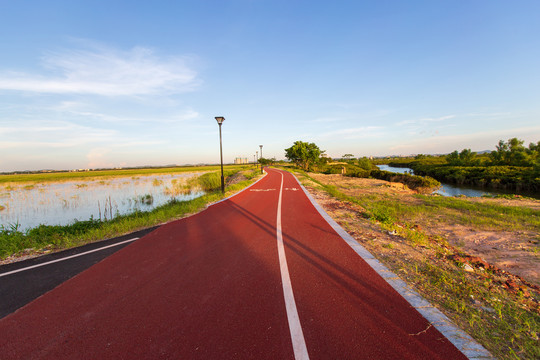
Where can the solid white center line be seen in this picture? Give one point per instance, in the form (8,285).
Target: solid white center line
(297,336)
(66,258)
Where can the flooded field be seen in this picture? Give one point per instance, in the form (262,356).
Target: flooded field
(61,203)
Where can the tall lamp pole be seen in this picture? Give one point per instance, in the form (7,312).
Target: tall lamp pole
(220,120)
(261,159)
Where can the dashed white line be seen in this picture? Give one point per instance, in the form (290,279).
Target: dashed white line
(297,336)
(66,258)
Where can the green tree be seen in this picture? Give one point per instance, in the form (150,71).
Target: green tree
(347,157)
(303,154)
(365,163)
(467,157)
(266,161)
(453,158)
(513,153)
(534,154)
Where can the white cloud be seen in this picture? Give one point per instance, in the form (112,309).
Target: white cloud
(53,134)
(107,72)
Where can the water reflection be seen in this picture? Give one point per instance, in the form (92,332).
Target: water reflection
(61,203)
(445,189)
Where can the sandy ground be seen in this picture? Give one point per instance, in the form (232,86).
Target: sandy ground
(517,252)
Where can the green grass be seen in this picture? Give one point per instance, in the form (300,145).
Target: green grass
(210,181)
(495,318)
(65,176)
(13,240)
(485,215)
(491,214)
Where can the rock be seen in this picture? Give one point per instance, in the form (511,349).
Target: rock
(468,268)
(514,287)
(475,260)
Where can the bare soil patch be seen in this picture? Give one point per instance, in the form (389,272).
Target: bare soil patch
(515,251)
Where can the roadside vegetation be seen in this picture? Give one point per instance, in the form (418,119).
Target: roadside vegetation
(308,157)
(72,175)
(512,166)
(499,309)
(45,238)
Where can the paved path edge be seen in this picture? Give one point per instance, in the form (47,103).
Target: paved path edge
(459,338)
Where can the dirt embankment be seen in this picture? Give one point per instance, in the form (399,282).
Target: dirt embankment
(514,250)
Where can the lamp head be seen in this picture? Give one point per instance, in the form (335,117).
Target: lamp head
(220,119)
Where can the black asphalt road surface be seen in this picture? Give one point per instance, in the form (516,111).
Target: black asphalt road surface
(18,289)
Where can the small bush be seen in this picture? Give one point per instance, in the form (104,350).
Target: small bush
(412,181)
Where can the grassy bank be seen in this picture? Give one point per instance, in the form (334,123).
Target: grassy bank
(14,242)
(489,176)
(369,170)
(499,309)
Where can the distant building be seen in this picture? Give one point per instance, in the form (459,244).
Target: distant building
(240,161)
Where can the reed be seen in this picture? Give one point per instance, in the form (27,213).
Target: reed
(65,176)
(14,240)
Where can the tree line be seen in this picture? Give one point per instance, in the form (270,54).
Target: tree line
(308,156)
(511,166)
(507,153)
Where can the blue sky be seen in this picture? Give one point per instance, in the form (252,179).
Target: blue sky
(88,84)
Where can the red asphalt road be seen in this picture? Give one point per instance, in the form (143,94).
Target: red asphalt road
(209,287)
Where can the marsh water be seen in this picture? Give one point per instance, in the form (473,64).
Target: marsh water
(62,203)
(445,189)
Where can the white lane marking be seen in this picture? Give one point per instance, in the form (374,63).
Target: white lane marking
(292,189)
(66,258)
(297,336)
(262,190)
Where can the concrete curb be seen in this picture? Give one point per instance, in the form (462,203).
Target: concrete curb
(459,338)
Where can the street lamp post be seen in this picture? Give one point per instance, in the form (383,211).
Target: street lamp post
(220,120)
(261,159)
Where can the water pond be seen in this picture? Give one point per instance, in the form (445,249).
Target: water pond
(445,189)
(62,203)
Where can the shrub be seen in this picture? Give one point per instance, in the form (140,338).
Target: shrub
(414,182)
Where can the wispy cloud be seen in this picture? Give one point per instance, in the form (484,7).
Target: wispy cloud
(424,121)
(478,140)
(80,113)
(56,134)
(99,70)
